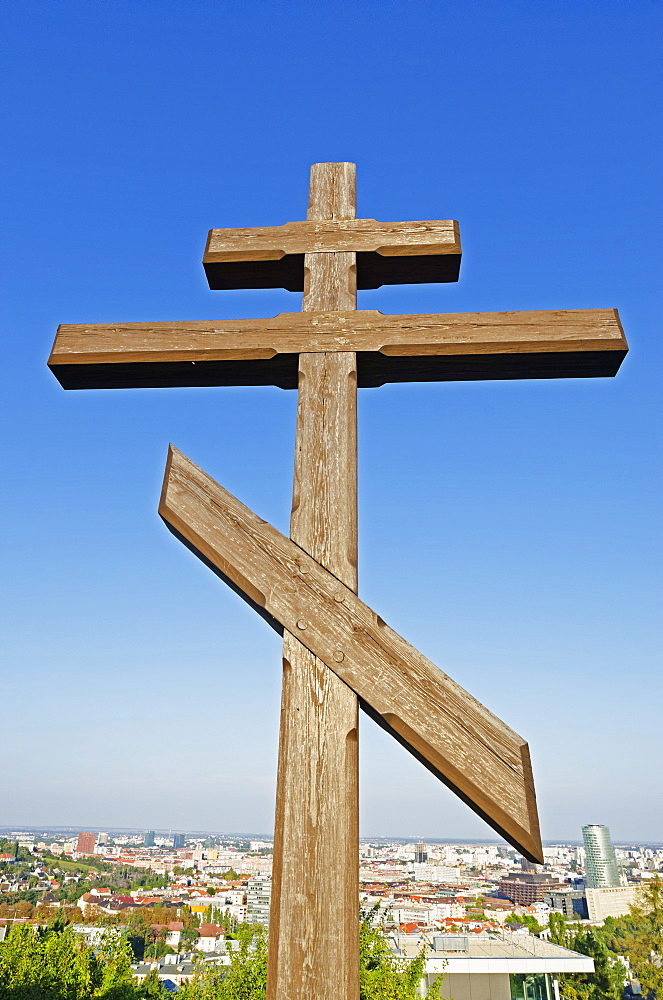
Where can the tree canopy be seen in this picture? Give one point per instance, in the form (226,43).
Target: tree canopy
(57,964)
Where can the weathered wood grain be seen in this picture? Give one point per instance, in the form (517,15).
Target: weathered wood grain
(447,346)
(389,239)
(313,936)
(458,739)
(387,252)
(314,920)
(332,192)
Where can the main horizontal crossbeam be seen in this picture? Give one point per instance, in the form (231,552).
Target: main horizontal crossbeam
(418,348)
(472,751)
(388,253)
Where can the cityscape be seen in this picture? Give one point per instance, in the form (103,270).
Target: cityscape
(182,897)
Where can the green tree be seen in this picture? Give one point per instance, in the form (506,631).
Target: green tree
(645,946)
(648,911)
(151,986)
(188,937)
(383,977)
(558,929)
(246,979)
(47,966)
(607,980)
(527,920)
(188,918)
(57,923)
(230,876)
(117,981)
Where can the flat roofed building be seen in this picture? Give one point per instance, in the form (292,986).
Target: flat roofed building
(525,889)
(492,966)
(614,901)
(571,902)
(86,843)
(258,898)
(420,853)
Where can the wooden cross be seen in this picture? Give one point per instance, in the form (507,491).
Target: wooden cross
(337,652)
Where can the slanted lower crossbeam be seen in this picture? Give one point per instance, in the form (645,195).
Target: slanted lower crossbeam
(472,751)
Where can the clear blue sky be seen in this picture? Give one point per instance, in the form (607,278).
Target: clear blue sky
(507,529)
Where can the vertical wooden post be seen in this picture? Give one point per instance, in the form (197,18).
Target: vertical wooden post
(313,934)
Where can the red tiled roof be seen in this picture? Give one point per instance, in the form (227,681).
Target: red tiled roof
(210,930)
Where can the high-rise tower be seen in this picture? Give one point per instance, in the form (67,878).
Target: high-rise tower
(600,861)
(86,843)
(420,853)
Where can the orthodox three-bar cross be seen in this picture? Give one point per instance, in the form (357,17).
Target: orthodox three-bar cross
(338,653)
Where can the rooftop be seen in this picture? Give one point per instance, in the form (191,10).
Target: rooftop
(490,953)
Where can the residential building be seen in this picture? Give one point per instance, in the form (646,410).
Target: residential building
(258,896)
(612,901)
(210,938)
(436,874)
(174,935)
(86,843)
(94,935)
(600,861)
(497,909)
(526,888)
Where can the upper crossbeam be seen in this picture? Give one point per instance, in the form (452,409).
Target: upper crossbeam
(418,348)
(388,253)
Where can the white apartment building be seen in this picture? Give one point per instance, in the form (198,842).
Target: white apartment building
(258,897)
(436,873)
(614,901)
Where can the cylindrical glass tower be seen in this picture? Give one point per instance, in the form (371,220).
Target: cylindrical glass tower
(600,861)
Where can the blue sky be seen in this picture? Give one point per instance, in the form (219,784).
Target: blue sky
(507,529)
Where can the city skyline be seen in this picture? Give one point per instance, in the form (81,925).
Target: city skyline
(510,530)
(169,832)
